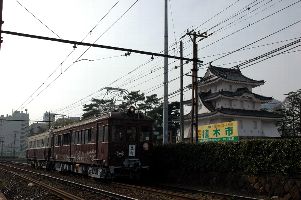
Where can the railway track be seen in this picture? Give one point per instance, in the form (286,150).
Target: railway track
(61,193)
(161,191)
(188,193)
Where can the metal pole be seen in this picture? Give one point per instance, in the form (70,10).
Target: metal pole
(181,95)
(1,21)
(165,104)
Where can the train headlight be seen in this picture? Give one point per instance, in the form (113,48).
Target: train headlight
(146,146)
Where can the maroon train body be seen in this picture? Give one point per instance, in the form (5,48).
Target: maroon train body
(115,144)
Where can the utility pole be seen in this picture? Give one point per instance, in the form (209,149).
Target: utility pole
(49,124)
(165,83)
(195,100)
(181,95)
(1,21)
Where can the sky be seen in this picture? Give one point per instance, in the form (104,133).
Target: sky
(39,75)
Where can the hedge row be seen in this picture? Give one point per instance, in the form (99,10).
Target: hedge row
(281,156)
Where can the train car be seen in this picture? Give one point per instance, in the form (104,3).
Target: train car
(38,150)
(111,145)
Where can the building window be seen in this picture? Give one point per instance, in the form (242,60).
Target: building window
(230,103)
(254,105)
(230,88)
(255,124)
(242,105)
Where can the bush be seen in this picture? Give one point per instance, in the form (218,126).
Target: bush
(249,157)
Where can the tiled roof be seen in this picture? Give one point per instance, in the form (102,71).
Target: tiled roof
(232,74)
(239,92)
(240,112)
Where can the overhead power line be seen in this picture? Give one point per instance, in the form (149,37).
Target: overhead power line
(268,53)
(38,19)
(245,9)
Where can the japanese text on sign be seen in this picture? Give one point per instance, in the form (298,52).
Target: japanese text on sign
(226,131)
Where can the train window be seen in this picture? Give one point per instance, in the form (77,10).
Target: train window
(131,134)
(100,133)
(72,137)
(59,140)
(89,134)
(77,137)
(82,137)
(106,133)
(118,134)
(47,141)
(55,140)
(66,139)
(145,134)
(93,135)
(86,136)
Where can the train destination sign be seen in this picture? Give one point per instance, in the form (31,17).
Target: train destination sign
(220,132)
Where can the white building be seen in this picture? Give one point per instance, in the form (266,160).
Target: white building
(13,133)
(226,95)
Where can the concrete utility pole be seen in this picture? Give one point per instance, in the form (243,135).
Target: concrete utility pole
(195,104)
(181,95)
(49,123)
(165,103)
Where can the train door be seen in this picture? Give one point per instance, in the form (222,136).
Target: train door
(131,141)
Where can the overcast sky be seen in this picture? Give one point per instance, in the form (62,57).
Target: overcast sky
(28,63)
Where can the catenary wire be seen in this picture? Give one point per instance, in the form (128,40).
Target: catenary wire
(129,73)
(61,64)
(38,19)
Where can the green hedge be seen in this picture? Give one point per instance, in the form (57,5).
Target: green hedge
(268,156)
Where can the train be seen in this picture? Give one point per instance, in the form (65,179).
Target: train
(115,144)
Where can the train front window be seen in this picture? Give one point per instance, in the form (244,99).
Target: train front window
(131,134)
(118,134)
(145,134)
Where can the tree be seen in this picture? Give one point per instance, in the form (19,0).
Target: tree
(173,117)
(97,107)
(134,98)
(151,102)
(290,125)
(64,122)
